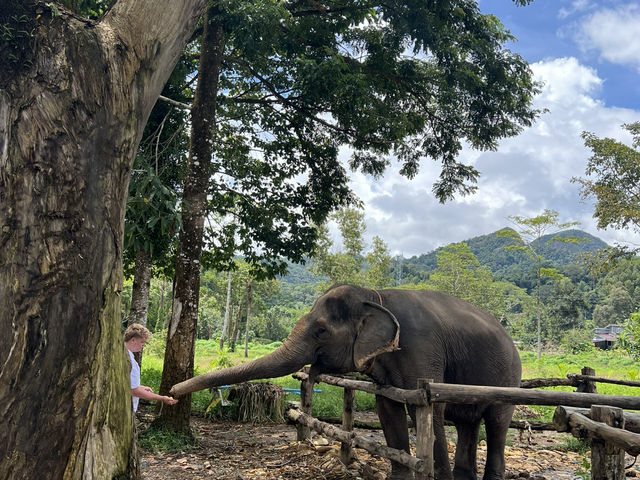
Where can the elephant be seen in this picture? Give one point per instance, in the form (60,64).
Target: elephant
(396,337)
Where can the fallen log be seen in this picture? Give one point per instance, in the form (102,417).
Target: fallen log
(351,438)
(631,420)
(567,419)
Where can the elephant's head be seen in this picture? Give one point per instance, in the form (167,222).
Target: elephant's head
(346,328)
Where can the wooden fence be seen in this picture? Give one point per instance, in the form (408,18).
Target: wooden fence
(585,414)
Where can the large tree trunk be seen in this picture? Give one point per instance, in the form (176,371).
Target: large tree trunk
(71,116)
(179,354)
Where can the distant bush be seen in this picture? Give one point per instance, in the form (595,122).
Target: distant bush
(151,377)
(577,341)
(157,345)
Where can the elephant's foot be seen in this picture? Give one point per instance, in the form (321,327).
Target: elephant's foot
(464,474)
(443,473)
(493,476)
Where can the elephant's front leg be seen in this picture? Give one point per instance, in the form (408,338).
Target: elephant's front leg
(393,418)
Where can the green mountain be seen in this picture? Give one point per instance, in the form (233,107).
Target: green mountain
(490,250)
(565,253)
(512,265)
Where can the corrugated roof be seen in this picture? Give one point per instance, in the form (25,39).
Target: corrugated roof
(601,337)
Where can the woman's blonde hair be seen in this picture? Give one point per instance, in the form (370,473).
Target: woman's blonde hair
(135,330)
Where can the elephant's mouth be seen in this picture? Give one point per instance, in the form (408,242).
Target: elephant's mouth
(324,364)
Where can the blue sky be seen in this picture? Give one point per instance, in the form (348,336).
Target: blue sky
(587,54)
(581,29)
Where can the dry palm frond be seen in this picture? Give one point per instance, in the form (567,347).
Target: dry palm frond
(258,402)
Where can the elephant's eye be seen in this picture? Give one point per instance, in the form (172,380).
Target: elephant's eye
(320,328)
(320,331)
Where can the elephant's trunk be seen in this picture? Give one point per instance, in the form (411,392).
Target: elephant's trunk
(288,358)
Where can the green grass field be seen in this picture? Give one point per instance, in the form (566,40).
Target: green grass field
(611,364)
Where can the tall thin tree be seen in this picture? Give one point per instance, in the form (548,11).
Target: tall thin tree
(179,353)
(529,234)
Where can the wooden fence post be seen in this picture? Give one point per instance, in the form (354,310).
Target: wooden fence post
(306,394)
(587,386)
(424,435)
(607,460)
(346,452)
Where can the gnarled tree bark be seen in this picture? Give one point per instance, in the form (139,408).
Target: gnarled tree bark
(71,117)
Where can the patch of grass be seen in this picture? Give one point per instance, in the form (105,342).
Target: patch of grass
(607,363)
(159,439)
(573,444)
(328,402)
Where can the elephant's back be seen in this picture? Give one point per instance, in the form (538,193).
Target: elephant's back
(474,346)
(445,311)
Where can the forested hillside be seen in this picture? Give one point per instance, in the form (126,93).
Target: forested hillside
(491,250)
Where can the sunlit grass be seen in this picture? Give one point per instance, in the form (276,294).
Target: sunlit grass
(328,403)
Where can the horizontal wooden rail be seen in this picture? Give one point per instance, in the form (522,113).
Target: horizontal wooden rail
(548,382)
(351,438)
(569,419)
(473,394)
(411,397)
(470,394)
(573,380)
(590,378)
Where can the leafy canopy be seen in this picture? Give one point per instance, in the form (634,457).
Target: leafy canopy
(301,81)
(613,179)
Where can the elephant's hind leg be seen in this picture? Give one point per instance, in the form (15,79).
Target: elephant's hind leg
(497,419)
(466,448)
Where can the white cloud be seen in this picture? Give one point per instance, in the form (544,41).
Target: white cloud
(614,34)
(576,6)
(527,174)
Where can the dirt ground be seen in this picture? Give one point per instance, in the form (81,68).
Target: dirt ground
(236,451)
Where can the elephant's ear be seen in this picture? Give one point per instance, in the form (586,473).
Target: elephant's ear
(379,332)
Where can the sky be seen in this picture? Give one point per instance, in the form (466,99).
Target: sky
(587,54)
